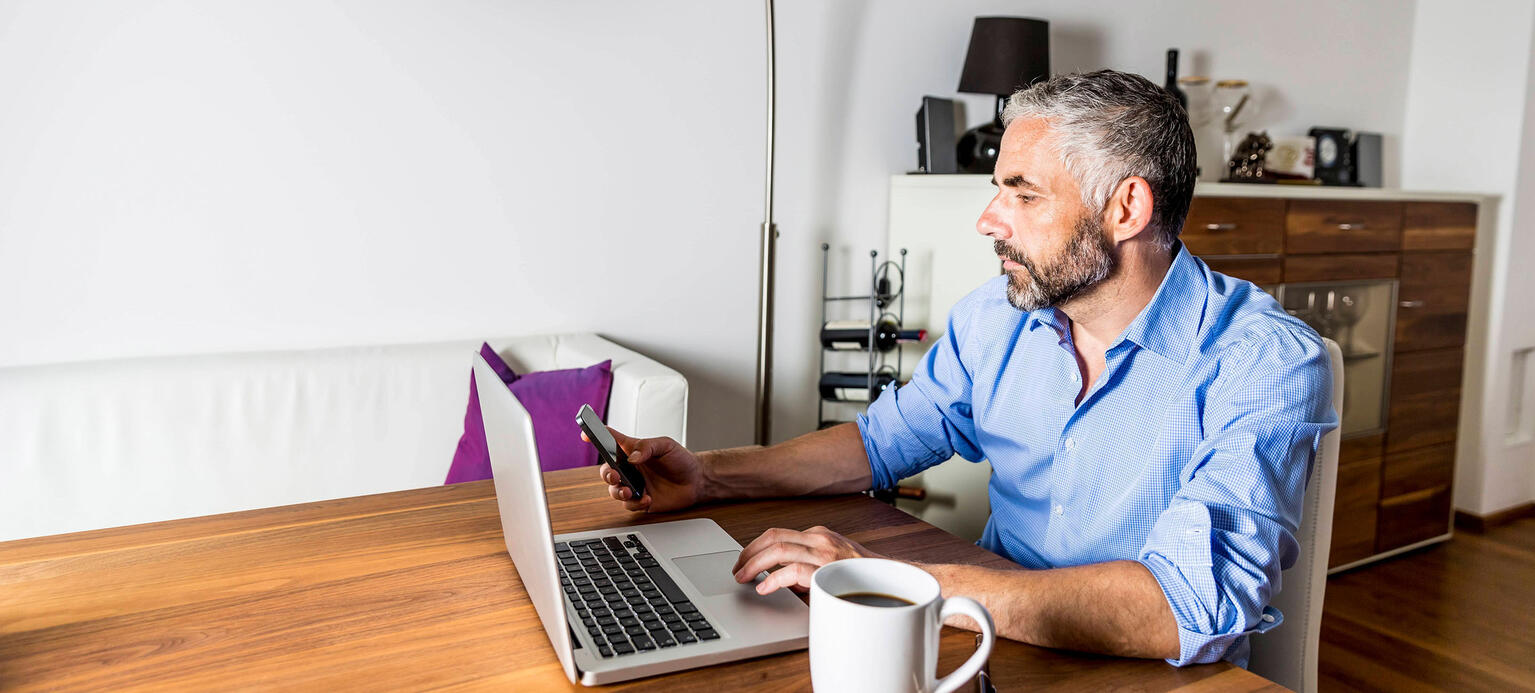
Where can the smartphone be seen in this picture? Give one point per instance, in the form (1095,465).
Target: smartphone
(608,450)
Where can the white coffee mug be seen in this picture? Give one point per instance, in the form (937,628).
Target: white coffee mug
(859,647)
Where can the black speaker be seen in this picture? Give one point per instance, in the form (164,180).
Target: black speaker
(1366,154)
(935,136)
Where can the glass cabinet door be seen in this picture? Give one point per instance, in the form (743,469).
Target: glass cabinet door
(1358,315)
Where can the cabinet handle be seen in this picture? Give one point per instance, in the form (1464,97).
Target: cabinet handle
(1351,227)
(1410,304)
(1226,226)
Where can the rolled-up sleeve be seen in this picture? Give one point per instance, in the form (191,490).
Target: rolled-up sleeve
(927,420)
(1218,549)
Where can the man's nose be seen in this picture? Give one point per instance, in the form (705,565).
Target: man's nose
(991,224)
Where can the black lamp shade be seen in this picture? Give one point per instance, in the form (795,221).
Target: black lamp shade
(1006,54)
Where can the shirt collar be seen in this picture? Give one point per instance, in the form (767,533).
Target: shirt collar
(1167,325)
(1050,317)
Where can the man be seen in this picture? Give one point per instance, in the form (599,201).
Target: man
(1150,423)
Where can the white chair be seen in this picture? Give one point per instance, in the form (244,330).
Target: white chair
(1288,654)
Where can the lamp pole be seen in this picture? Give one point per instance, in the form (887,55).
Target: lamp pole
(764,397)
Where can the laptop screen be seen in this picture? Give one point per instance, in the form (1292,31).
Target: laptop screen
(524,509)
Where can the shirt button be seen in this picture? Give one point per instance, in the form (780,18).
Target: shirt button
(1268,618)
(1071,443)
(1059,510)
(1075,376)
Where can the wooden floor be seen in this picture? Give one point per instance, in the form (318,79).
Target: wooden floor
(1459,616)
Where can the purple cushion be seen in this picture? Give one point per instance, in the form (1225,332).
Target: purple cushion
(552,399)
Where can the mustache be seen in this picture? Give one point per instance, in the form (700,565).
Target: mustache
(1008,252)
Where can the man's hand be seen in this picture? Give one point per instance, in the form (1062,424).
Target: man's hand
(674,478)
(799,554)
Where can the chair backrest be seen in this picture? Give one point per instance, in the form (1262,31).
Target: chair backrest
(1288,654)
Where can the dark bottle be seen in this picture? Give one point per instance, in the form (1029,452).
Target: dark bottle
(853,335)
(1172,78)
(854,387)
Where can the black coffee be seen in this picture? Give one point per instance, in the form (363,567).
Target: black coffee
(874,599)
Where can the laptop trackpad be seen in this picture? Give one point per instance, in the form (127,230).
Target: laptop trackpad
(710,572)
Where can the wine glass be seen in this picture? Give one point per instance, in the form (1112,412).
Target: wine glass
(1307,314)
(1329,316)
(1348,312)
(1234,106)
(1197,90)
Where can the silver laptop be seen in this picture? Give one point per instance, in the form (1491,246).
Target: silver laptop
(632,601)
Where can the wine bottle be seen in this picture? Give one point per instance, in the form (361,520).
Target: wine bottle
(854,387)
(1172,78)
(853,335)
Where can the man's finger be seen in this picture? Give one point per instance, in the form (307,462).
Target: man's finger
(640,505)
(644,450)
(609,476)
(765,540)
(625,443)
(792,575)
(784,554)
(779,534)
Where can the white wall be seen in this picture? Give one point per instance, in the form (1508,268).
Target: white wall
(1471,126)
(216,175)
(210,176)
(852,74)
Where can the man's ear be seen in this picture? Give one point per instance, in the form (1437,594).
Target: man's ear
(1128,212)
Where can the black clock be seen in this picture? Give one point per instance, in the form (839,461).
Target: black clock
(1332,156)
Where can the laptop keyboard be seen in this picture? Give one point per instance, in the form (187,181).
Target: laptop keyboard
(624,599)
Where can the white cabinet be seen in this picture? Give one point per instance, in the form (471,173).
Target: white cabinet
(933,218)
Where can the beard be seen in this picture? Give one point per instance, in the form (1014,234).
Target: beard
(1088,259)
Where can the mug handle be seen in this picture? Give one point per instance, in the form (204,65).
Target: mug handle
(973,609)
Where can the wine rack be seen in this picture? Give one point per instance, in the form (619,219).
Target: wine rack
(884,301)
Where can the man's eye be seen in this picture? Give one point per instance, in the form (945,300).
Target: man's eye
(1026,198)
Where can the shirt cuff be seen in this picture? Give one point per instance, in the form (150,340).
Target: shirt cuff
(880,474)
(895,451)
(1183,567)
(1195,646)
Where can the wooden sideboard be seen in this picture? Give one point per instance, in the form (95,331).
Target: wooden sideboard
(1395,484)
(1395,480)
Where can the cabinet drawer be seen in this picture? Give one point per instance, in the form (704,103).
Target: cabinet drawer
(1425,399)
(1411,518)
(1418,469)
(1263,271)
(1432,299)
(1338,226)
(1234,226)
(1438,226)
(1337,268)
(1354,511)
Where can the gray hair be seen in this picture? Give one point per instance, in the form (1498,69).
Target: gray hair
(1108,126)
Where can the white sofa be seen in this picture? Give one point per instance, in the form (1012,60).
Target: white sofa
(103,444)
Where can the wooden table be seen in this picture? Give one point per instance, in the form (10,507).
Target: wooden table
(413,590)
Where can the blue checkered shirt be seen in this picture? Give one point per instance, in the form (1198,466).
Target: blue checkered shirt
(1190,454)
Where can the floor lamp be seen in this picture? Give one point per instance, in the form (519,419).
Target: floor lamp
(764,398)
